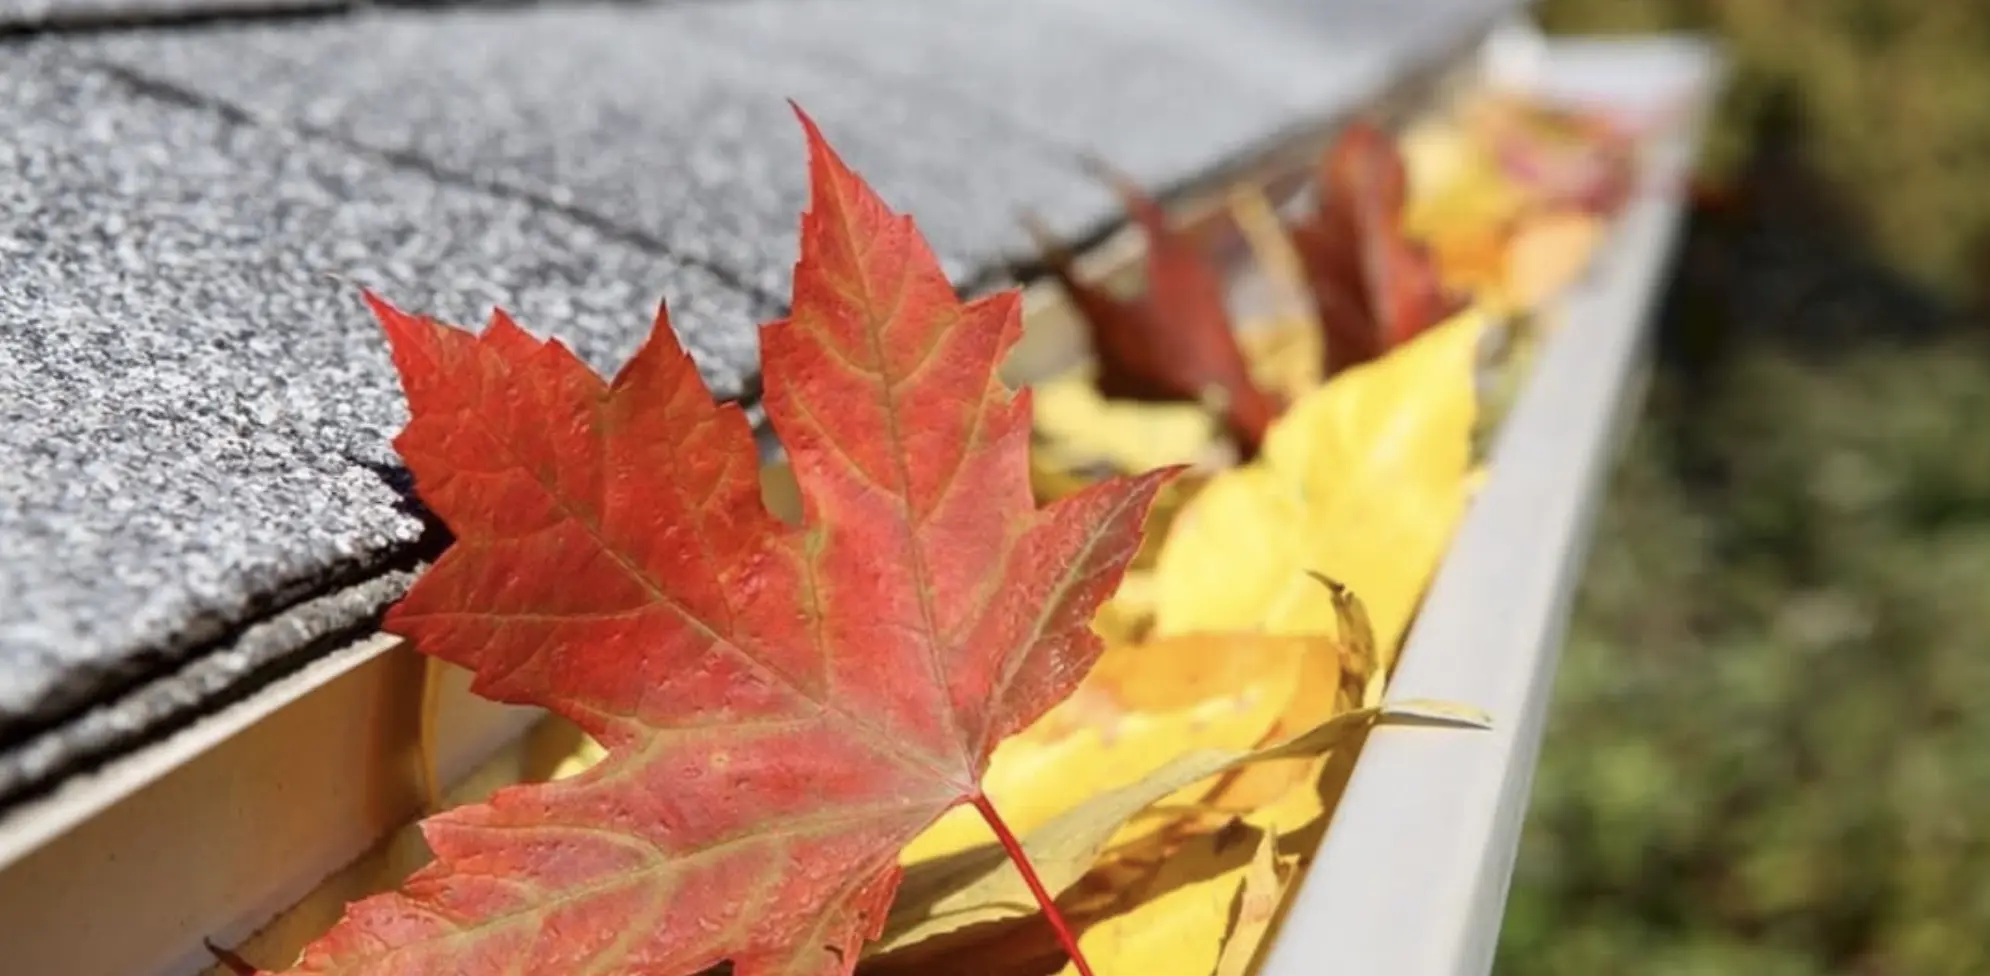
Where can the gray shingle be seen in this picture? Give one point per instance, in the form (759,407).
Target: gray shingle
(1164,89)
(634,115)
(1320,56)
(668,120)
(1158,89)
(189,401)
(18,14)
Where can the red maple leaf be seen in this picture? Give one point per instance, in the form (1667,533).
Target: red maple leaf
(783,707)
(1373,288)
(1174,343)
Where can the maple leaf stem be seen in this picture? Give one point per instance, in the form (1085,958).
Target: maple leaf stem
(1044,900)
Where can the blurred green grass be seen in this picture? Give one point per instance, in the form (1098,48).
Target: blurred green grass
(1899,91)
(1767,753)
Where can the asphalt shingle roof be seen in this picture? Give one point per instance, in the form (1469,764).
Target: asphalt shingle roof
(195,485)
(18,16)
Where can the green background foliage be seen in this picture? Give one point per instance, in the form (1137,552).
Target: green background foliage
(1769,752)
(1899,91)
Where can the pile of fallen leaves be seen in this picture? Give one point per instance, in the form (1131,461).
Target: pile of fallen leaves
(1114,656)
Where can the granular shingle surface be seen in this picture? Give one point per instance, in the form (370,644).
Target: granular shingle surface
(669,120)
(1162,90)
(637,116)
(195,408)
(30,14)
(188,398)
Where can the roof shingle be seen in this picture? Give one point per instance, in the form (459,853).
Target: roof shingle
(189,400)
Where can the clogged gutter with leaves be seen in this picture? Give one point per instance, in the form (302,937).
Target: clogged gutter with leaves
(1001,686)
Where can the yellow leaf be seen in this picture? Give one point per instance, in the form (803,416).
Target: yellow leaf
(1123,618)
(1077,428)
(1362,481)
(1327,686)
(977,885)
(1232,552)
(1456,184)
(1168,504)
(1300,804)
(1397,417)
(1127,616)
(1177,925)
(1142,706)
(1284,354)
(1257,906)
(1051,480)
